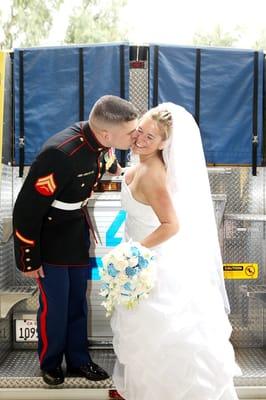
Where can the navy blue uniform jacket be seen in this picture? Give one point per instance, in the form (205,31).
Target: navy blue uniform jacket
(67,169)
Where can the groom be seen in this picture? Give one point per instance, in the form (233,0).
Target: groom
(51,225)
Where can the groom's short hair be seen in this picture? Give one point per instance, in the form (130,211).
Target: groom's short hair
(112,109)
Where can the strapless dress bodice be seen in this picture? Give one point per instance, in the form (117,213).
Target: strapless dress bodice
(141,219)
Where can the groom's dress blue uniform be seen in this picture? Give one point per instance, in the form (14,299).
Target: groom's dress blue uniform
(51,230)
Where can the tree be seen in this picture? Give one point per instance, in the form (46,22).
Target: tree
(217,37)
(28,22)
(96,21)
(260,43)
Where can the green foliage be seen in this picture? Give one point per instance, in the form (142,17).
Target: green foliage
(96,21)
(217,37)
(260,43)
(28,22)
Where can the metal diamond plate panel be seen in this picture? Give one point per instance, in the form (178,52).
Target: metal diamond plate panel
(243,242)
(6,191)
(29,306)
(16,186)
(5,337)
(253,365)
(6,263)
(138,88)
(6,248)
(21,370)
(98,324)
(245,193)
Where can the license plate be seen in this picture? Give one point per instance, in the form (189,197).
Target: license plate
(26,330)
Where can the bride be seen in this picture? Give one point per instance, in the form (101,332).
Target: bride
(175,344)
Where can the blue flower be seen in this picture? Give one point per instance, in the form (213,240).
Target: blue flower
(135,251)
(143,263)
(111,270)
(130,271)
(105,286)
(127,286)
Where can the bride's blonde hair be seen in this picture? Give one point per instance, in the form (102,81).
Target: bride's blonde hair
(163,118)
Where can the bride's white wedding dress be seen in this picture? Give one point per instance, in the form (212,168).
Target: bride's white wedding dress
(174,345)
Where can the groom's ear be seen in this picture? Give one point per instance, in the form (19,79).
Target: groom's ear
(107,136)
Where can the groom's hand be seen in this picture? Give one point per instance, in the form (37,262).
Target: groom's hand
(119,171)
(38,273)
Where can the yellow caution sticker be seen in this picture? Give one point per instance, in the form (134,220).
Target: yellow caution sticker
(241,271)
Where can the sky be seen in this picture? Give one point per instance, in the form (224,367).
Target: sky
(175,21)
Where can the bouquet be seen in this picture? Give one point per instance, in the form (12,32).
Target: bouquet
(128,275)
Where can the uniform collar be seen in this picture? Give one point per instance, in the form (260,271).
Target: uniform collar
(91,138)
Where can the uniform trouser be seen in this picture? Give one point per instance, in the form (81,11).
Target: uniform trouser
(62,317)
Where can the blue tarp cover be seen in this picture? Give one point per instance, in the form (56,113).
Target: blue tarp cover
(51,88)
(226,97)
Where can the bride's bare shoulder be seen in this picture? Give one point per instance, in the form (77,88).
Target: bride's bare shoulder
(155,173)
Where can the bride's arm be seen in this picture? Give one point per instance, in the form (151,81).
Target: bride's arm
(158,197)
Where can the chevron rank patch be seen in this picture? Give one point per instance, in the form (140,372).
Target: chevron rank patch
(46,185)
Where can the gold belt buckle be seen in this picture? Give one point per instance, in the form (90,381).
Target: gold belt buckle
(84,203)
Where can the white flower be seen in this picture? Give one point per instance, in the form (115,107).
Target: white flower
(133,261)
(120,265)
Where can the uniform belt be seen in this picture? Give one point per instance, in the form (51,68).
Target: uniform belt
(69,206)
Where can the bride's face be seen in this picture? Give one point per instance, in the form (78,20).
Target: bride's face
(149,139)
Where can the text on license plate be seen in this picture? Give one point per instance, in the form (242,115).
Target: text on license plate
(26,330)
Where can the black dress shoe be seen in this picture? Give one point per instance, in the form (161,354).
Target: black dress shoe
(53,377)
(90,371)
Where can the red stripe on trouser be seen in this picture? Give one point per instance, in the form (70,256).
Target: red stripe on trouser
(43,317)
